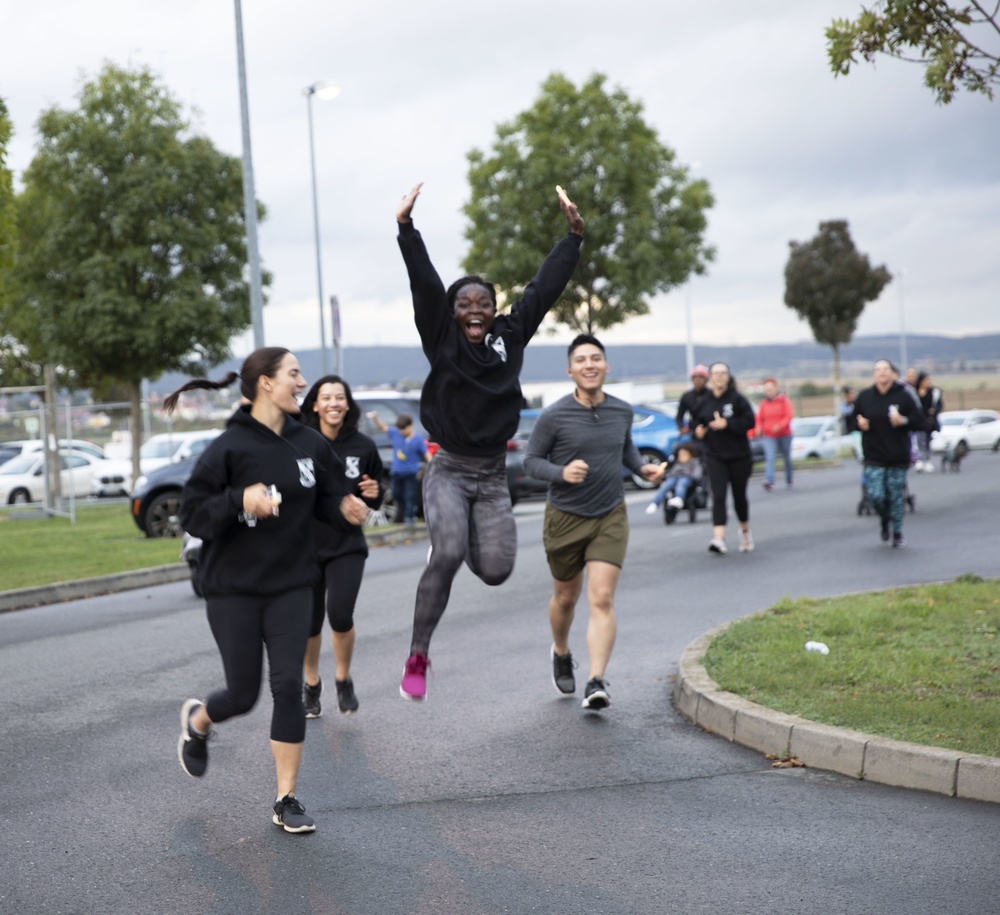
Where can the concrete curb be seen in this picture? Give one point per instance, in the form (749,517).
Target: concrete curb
(25,598)
(876,759)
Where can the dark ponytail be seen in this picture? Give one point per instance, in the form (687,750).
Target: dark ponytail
(263,361)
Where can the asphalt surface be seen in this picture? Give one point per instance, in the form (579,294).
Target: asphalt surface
(496,795)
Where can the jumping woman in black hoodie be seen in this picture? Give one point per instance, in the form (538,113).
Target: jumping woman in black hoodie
(251,498)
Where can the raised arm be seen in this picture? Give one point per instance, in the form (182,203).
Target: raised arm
(573,216)
(405,206)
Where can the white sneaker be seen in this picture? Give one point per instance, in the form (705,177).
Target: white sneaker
(717,545)
(918,466)
(675,502)
(651,508)
(746,542)
(928,467)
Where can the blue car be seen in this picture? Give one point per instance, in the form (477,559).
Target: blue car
(654,434)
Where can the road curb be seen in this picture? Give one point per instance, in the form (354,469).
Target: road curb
(864,756)
(25,598)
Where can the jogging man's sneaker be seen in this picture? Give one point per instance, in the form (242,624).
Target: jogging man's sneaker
(192,748)
(346,700)
(596,695)
(310,697)
(562,672)
(290,815)
(414,683)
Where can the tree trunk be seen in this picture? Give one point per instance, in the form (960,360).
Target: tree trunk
(836,380)
(135,424)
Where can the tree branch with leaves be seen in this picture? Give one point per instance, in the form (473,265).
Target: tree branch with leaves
(958,46)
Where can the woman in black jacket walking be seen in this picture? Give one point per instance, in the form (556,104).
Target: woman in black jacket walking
(721,422)
(250,498)
(330,409)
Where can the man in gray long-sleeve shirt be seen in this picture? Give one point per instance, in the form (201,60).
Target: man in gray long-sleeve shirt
(579,445)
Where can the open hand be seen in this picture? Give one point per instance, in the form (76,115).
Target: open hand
(405,206)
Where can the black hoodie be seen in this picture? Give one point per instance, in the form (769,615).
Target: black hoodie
(276,554)
(471,399)
(729,443)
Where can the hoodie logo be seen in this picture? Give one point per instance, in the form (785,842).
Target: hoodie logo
(498,346)
(727,410)
(307,474)
(351,470)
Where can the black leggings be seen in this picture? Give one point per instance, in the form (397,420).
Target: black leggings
(337,592)
(736,475)
(243,625)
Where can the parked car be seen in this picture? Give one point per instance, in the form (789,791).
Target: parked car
(653,433)
(519,482)
(32,445)
(170,447)
(22,478)
(815,437)
(979,429)
(156,499)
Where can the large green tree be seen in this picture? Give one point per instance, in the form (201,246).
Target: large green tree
(957,45)
(12,354)
(131,240)
(828,282)
(645,216)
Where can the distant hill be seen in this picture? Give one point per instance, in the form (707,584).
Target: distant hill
(406,366)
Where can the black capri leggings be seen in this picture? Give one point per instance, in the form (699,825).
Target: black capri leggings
(337,592)
(736,475)
(243,625)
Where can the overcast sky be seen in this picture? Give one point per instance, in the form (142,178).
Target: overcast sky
(741,91)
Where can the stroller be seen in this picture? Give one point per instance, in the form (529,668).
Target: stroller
(697,495)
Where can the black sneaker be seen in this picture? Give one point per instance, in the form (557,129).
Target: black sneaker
(290,815)
(562,672)
(898,541)
(346,698)
(885,530)
(192,748)
(596,694)
(310,697)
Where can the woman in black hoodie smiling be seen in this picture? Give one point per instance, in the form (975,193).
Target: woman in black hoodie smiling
(331,410)
(251,498)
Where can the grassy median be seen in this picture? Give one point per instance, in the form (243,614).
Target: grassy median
(920,664)
(42,550)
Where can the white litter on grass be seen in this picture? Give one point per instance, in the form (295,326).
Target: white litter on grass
(818,647)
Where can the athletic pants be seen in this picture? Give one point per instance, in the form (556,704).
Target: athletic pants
(470,519)
(886,487)
(243,626)
(336,593)
(735,475)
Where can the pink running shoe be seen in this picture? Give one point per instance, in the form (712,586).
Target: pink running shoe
(413,686)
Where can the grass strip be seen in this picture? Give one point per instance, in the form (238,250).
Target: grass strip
(920,664)
(43,550)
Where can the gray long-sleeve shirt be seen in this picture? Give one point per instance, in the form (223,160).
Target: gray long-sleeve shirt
(601,436)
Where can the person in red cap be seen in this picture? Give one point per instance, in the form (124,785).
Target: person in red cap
(690,398)
(774,429)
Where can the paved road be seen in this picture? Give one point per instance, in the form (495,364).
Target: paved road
(495,796)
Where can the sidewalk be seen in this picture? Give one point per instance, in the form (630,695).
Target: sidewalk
(819,746)
(23,598)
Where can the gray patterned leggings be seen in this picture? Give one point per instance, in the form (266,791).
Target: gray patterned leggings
(470,519)
(886,488)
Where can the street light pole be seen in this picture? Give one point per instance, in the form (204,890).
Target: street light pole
(325,90)
(249,195)
(904,362)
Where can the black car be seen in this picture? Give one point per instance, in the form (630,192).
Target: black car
(156,499)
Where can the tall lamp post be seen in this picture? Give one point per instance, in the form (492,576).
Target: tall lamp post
(324,90)
(904,362)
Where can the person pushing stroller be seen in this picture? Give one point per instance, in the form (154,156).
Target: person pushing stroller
(683,472)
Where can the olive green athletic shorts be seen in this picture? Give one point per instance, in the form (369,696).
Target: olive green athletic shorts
(572,541)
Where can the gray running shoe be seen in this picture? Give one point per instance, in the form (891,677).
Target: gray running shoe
(596,695)
(562,672)
(290,815)
(310,698)
(192,748)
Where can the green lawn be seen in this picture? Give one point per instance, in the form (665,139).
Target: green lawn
(919,664)
(39,550)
